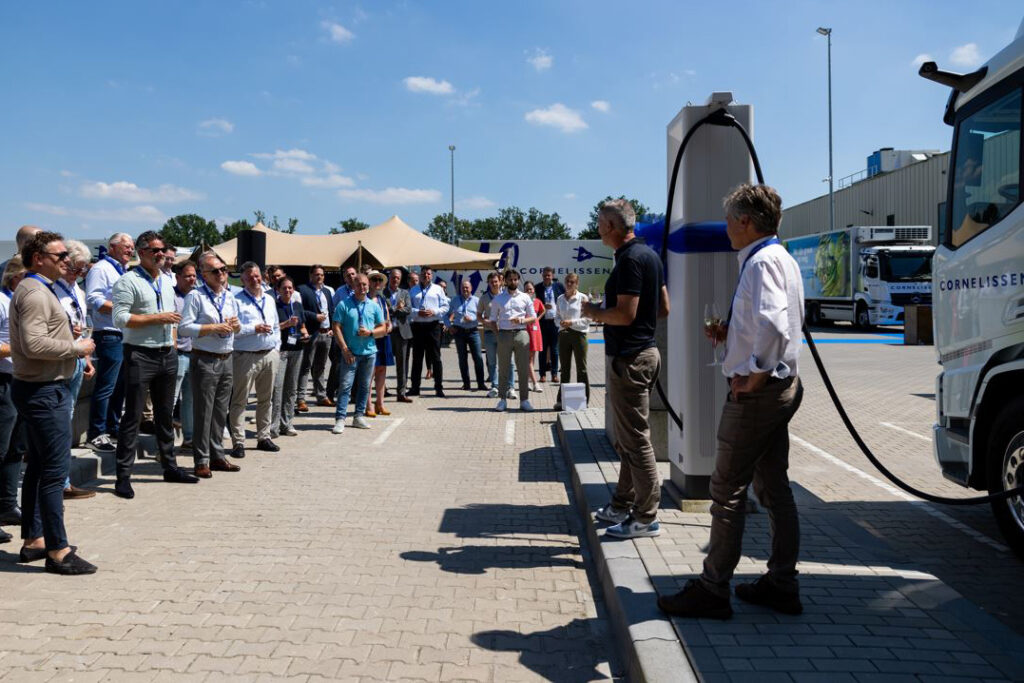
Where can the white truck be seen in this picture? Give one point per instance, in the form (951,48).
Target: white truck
(978,310)
(864,275)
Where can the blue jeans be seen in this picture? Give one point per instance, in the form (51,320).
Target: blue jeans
(359,372)
(74,386)
(44,407)
(491,345)
(108,391)
(467,343)
(183,390)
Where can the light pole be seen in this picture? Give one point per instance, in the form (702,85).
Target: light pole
(451,148)
(827,32)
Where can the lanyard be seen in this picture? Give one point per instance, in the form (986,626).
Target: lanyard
(766,243)
(259,306)
(74,299)
(289,308)
(220,306)
(359,311)
(465,305)
(117,266)
(320,305)
(156,287)
(49,286)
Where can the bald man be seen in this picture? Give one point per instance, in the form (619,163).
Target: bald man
(25,233)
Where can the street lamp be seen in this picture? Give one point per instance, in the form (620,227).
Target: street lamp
(827,32)
(451,148)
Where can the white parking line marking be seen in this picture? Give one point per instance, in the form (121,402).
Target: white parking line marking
(892,490)
(906,431)
(387,432)
(510,432)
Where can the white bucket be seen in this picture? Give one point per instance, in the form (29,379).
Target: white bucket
(574,397)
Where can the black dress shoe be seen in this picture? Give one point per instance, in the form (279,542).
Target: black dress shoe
(123,489)
(35,554)
(238,452)
(695,601)
(71,565)
(267,445)
(176,475)
(440,393)
(11,516)
(764,592)
(465,387)
(481,387)
(5,537)
(413,392)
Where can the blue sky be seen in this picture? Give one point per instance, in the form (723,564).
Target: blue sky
(119,114)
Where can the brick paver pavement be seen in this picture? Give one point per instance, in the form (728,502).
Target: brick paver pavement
(440,548)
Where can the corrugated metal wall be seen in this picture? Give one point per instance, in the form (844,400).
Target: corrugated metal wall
(911,195)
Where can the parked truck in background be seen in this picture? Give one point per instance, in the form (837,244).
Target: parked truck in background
(978,309)
(864,275)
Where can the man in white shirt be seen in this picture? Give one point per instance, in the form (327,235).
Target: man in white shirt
(108,390)
(429,308)
(511,312)
(255,361)
(762,337)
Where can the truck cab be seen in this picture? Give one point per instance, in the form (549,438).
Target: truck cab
(978,287)
(893,277)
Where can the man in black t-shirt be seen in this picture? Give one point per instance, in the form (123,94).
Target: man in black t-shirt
(635,297)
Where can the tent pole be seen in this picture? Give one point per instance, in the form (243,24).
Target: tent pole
(359,258)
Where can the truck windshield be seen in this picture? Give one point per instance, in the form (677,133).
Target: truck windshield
(896,267)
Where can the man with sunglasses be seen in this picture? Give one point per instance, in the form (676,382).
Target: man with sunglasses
(144,311)
(108,391)
(210,318)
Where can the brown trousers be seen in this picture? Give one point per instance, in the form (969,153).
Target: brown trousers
(753,447)
(629,393)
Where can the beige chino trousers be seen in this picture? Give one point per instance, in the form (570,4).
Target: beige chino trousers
(252,369)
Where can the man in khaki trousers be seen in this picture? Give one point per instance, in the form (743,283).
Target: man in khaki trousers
(255,360)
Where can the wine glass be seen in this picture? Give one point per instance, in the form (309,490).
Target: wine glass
(713,321)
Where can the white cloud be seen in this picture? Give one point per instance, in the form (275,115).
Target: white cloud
(241,168)
(466,99)
(300,154)
(215,127)
(331,168)
(965,55)
(603,106)
(330,181)
(66,173)
(336,32)
(288,165)
(474,204)
(132,214)
(558,116)
(428,85)
(540,59)
(124,191)
(921,59)
(569,195)
(392,195)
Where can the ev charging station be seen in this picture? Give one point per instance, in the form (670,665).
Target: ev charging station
(702,269)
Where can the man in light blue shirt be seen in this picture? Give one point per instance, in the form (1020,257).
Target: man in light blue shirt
(429,308)
(108,391)
(464,324)
(210,317)
(255,361)
(357,322)
(143,309)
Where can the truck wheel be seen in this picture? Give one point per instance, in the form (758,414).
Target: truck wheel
(862,319)
(1006,471)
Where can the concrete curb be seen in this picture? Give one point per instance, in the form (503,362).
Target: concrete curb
(649,641)
(87,465)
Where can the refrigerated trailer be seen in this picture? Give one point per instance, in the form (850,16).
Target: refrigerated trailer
(864,275)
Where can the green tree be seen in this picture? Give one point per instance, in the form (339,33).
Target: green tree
(511,223)
(441,228)
(190,230)
(273,224)
(348,225)
(590,232)
(231,231)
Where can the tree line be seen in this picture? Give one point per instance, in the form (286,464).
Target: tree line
(510,223)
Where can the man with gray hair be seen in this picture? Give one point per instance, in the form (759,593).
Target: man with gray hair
(635,297)
(108,390)
(762,337)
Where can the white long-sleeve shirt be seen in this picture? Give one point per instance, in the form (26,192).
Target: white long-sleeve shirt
(572,310)
(431,298)
(767,314)
(252,311)
(99,287)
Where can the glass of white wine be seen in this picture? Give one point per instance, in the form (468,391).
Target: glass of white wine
(713,321)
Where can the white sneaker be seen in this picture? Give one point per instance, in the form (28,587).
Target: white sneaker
(493,393)
(291,431)
(339,427)
(630,528)
(359,422)
(526,406)
(609,514)
(102,444)
(513,395)
(502,405)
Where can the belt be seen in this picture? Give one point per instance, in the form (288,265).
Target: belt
(516,329)
(184,353)
(259,353)
(152,349)
(101,333)
(210,354)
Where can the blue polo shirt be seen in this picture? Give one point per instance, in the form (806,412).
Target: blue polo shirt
(349,313)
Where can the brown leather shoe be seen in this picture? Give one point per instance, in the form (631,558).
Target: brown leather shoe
(74,493)
(301,407)
(404,399)
(203,471)
(223,466)
(370,413)
(326,402)
(381,410)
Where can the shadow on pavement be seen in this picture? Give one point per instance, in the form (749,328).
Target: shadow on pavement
(477,559)
(554,654)
(537,465)
(490,520)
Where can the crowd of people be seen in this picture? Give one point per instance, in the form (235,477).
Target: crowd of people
(172,346)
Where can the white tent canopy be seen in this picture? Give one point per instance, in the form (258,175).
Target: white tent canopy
(392,243)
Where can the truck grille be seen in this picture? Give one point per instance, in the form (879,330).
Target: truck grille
(907,298)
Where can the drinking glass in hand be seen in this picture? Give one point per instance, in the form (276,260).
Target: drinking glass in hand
(712,324)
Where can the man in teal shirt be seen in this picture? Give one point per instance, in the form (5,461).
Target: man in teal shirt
(357,323)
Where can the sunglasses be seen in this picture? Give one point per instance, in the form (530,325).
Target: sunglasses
(156,250)
(61,255)
(219,271)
